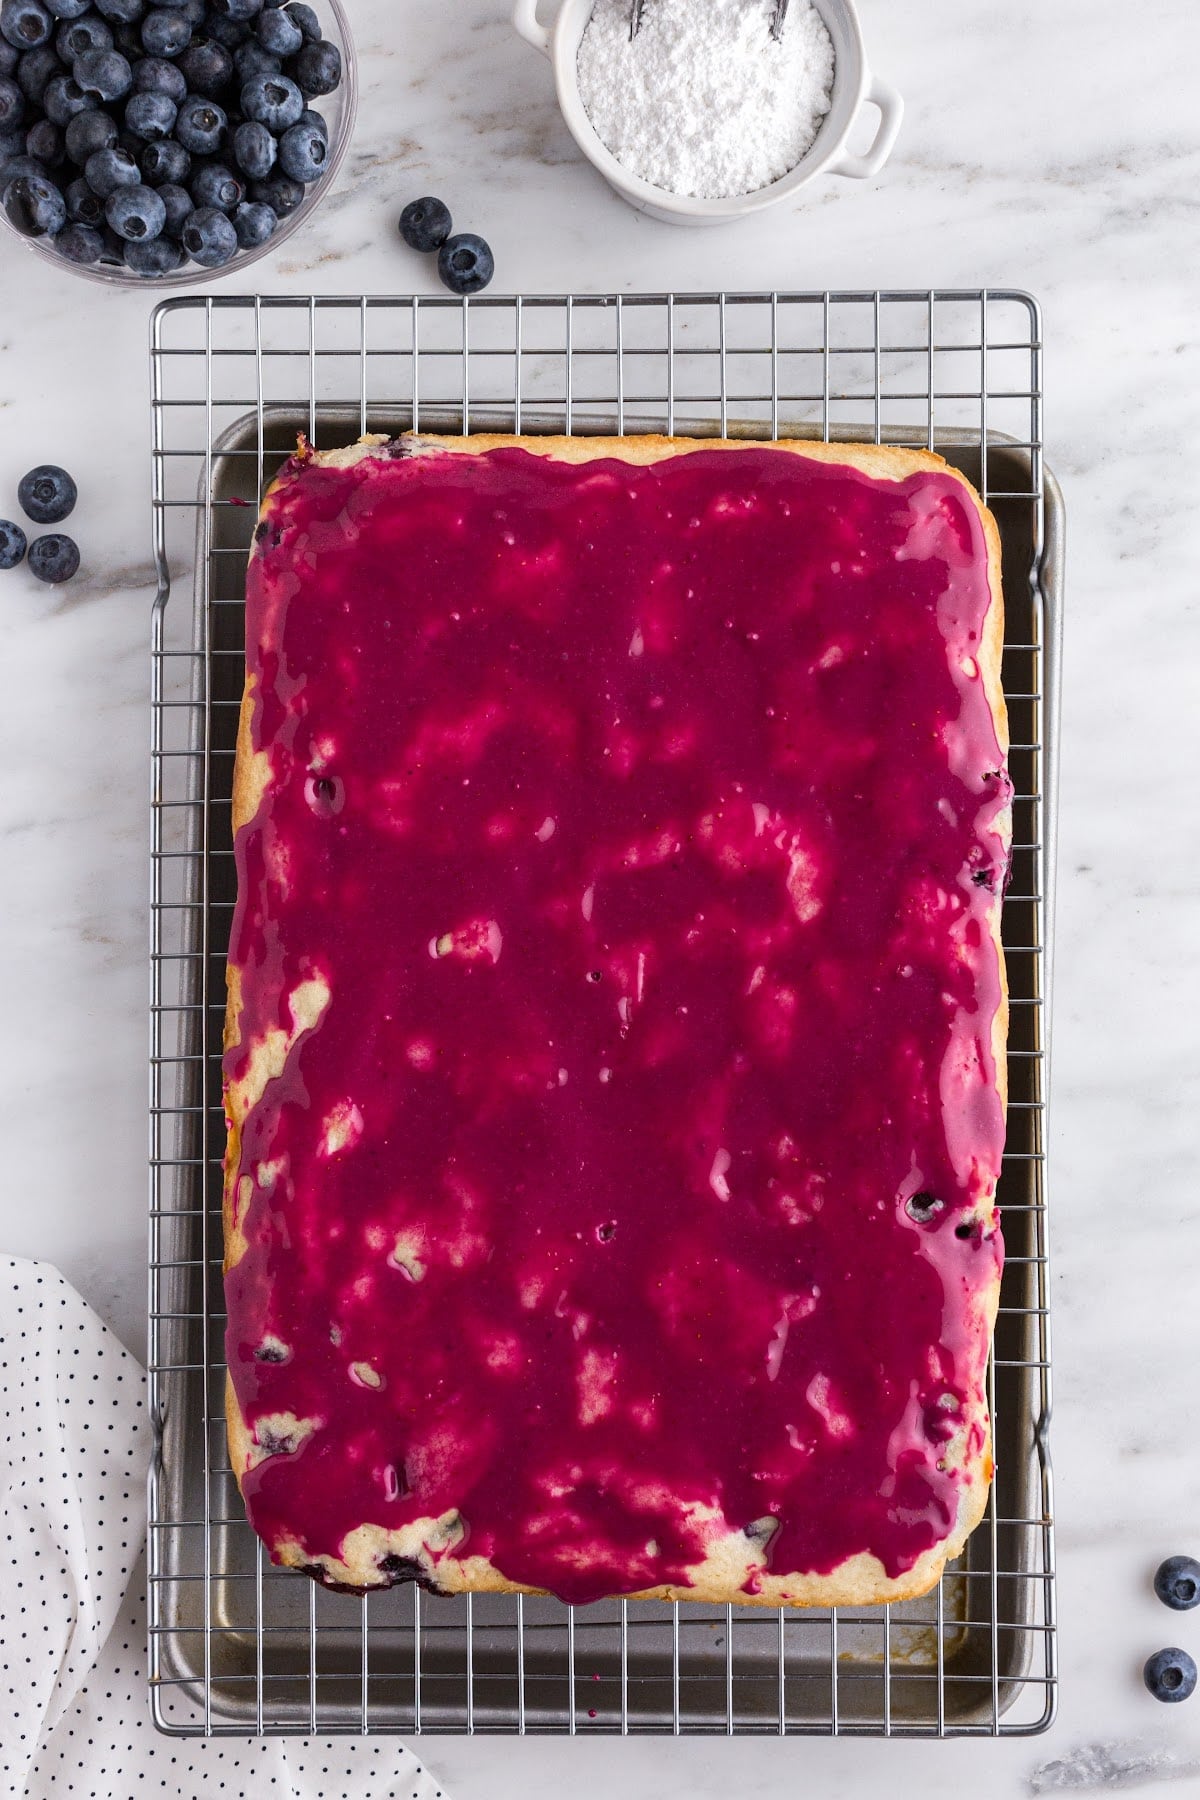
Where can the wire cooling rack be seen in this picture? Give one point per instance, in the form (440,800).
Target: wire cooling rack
(239,1646)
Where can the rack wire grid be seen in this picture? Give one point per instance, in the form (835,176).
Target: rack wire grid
(237,1645)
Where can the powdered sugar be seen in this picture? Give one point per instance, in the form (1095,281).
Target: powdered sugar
(704,101)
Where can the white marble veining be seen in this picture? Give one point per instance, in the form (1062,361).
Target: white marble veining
(1050,146)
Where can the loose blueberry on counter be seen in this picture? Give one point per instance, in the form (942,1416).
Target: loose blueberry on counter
(274,100)
(136,214)
(45,143)
(107,170)
(155,75)
(12,104)
(150,116)
(156,256)
(425,224)
(25,23)
(207,67)
(165,162)
(47,494)
(465,263)
(165,33)
(88,132)
(34,206)
(1177,1583)
(201,125)
(12,544)
(80,244)
(254,224)
(303,153)
(1170,1674)
(254,149)
(213,184)
(53,558)
(209,238)
(317,69)
(105,73)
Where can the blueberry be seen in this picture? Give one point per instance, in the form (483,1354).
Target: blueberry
(1169,1674)
(236,9)
(303,153)
(310,117)
(107,170)
(165,33)
(279,192)
(47,495)
(155,75)
(307,20)
(13,166)
(200,127)
(465,263)
(254,224)
(12,104)
(179,205)
(105,73)
(8,56)
(114,247)
(278,33)
(151,116)
(250,59)
(67,9)
(1177,1583)
(426,224)
(25,23)
(274,100)
(254,150)
(45,142)
(35,207)
(83,207)
(230,32)
(207,67)
(78,36)
(317,69)
(209,238)
(156,256)
(213,184)
(81,244)
(121,12)
(53,558)
(64,98)
(35,71)
(136,213)
(12,544)
(165,162)
(88,132)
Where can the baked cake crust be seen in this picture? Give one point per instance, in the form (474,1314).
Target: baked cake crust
(435,1549)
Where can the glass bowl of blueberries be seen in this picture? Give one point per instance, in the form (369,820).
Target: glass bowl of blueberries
(169,140)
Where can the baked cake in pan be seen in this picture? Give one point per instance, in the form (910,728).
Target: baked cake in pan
(617,1015)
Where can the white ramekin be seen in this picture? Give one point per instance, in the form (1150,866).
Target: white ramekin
(853,87)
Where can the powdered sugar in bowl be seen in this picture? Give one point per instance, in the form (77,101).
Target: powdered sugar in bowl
(698,126)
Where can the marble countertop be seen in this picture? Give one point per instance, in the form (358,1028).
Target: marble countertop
(1046,147)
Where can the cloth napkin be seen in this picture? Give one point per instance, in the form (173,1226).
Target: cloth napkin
(74,1714)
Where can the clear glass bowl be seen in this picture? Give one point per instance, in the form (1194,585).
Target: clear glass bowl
(339,110)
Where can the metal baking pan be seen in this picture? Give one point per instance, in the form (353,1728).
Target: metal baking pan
(237,1645)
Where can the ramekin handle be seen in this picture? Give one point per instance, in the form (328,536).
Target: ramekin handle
(527,23)
(891,116)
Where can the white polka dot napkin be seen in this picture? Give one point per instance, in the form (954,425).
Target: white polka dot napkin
(74,1712)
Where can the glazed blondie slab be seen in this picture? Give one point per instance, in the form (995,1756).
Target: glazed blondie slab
(617,1015)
